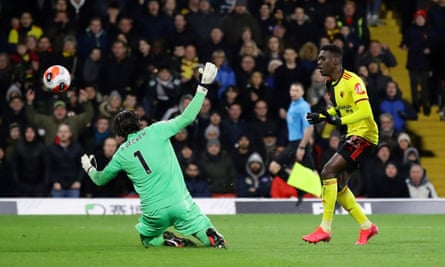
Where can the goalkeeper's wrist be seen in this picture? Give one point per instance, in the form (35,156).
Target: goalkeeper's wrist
(202,89)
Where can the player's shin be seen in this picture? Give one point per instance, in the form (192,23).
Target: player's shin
(329,197)
(348,202)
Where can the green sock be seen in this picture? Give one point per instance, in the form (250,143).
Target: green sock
(149,241)
(202,236)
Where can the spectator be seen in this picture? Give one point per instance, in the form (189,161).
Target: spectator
(126,31)
(411,156)
(69,57)
(317,89)
(380,53)
(374,169)
(255,182)
(111,106)
(262,122)
(95,136)
(189,62)
(216,42)
(387,133)
(393,183)
(46,54)
(236,125)
(12,140)
(205,14)
(118,71)
(235,22)
(301,29)
(14,111)
(226,75)
(26,28)
(330,28)
(182,34)
(240,153)
(196,183)
(30,166)
(291,71)
(50,123)
(145,62)
(186,155)
(266,19)
(6,176)
(154,24)
(437,23)
(218,167)
(256,90)
(118,187)
(403,143)
(25,64)
(94,36)
(393,104)
(352,18)
(64,167)
(274,49)
(163,92)
(60,27)
(417,40)
(418,184)
(5,73)
(376,85)
(92,68)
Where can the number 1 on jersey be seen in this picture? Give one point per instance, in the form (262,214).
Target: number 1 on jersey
(141,159)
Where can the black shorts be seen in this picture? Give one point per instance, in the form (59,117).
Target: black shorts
(287,157)
(355,149)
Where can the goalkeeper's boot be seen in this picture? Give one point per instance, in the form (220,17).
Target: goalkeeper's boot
(317,235)
(365,235)
(215,238)
(171,240)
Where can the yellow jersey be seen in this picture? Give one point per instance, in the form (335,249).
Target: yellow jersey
(350,102)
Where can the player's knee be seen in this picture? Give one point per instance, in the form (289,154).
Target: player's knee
(326,173)
(274,167)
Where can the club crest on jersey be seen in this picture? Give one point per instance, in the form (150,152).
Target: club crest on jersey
(358,89)
(342,94)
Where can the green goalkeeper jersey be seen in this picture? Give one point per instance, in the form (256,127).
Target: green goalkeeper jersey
(150,161)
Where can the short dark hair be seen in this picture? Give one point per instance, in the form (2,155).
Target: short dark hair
(337,51)
(125,123)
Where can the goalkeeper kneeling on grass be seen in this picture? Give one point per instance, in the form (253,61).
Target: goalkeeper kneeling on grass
(148,158)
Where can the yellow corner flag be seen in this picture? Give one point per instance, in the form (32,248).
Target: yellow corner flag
(305,179)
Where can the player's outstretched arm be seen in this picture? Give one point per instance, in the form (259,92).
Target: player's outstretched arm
(191,111)
(98,177)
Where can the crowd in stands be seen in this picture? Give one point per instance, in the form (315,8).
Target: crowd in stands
(144,56)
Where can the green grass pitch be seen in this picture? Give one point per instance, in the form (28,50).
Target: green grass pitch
(253,240)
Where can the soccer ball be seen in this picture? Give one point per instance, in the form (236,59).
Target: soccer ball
(57,79)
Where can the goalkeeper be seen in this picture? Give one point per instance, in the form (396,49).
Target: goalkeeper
(352,111)
(149,160)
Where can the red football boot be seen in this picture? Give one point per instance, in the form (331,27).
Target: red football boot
(365,235)
(318,235)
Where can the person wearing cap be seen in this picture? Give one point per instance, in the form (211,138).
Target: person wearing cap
(50,123)
(418,40)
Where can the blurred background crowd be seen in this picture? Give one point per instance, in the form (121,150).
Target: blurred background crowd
(144,55)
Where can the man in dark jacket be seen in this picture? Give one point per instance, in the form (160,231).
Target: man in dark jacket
(65,170)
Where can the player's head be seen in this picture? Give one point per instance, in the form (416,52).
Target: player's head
(330,59)
(125,123)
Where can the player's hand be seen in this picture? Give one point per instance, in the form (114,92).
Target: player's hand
(335,120)
(86,162)
(314,117)
(208,73)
